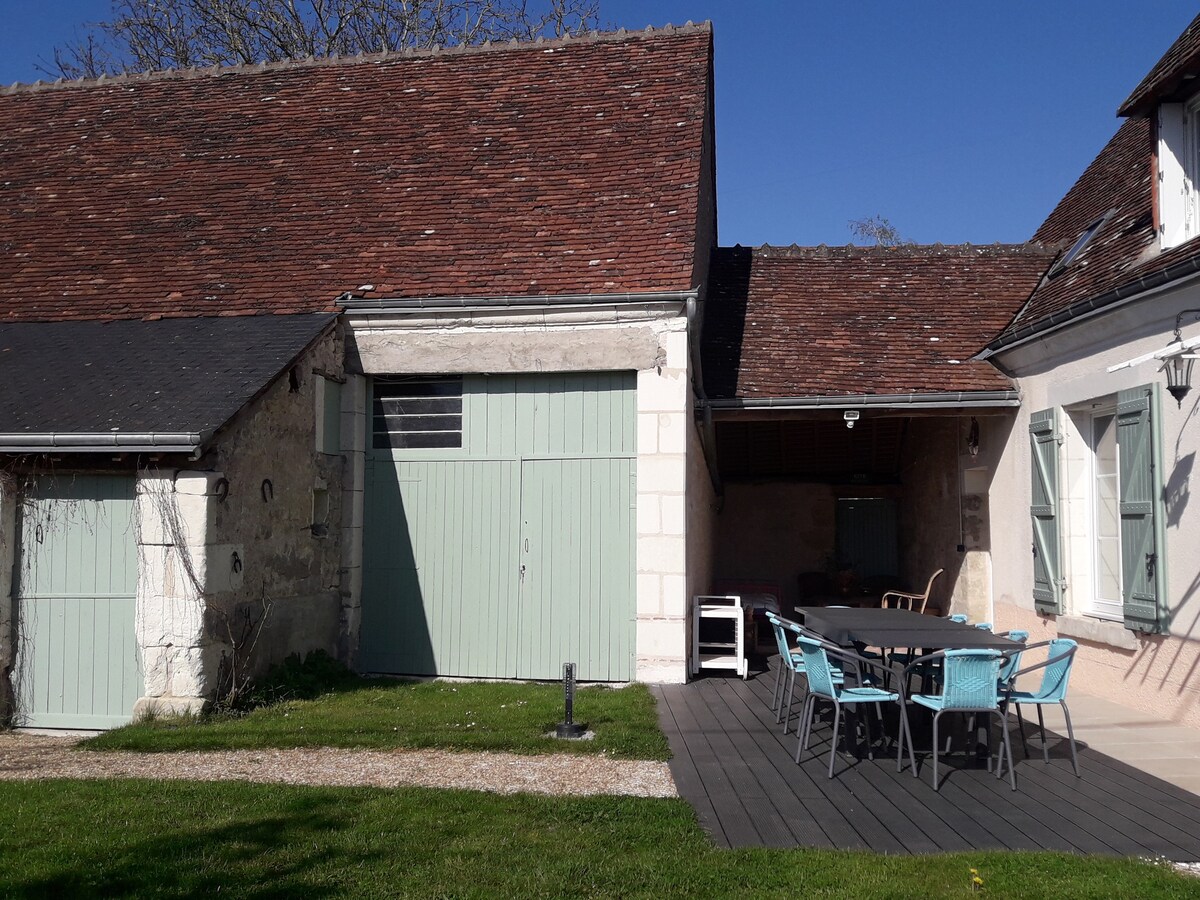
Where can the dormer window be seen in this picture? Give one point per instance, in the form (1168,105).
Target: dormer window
(1178,172)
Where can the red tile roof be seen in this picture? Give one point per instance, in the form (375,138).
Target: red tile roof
(817,321)
(564,167)
(1180,61)
(1122,253)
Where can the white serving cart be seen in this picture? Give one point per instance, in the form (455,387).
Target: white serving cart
(719,633)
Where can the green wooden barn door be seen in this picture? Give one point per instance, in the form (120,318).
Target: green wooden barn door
(77,662)
(508,549)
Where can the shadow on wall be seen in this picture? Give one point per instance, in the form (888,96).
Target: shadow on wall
(394,634)
(1176,492)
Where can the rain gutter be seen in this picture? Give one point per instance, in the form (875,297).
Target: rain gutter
(1165,279)
(351,303)
(940,400)
(102,442)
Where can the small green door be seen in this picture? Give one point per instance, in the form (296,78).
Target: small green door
(75,589)
(499,526)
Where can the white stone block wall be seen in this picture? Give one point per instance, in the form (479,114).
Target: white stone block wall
(663,404)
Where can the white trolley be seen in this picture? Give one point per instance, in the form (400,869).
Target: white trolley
(718,633)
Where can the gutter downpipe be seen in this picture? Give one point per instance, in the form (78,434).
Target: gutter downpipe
(928,400)
(103,442)
(708,431)
(1178,275)
(356,304)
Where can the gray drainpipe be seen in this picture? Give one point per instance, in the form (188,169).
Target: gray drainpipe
(103,442)
(927,400)
(355,304)
(708,431)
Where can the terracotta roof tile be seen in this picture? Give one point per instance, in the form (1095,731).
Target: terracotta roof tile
(1178,64)
(1124,250)
(563,167)
(816,321)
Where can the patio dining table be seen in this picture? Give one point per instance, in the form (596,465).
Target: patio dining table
(898,628)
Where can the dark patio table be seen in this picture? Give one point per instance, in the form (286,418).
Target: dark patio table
(898,628)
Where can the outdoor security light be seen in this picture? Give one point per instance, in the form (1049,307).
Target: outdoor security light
(851,416)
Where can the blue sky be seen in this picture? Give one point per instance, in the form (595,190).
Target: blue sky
(958,121)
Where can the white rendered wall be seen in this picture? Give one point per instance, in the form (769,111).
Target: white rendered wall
(1065,368)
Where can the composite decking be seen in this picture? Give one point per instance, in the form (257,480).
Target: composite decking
(734,765)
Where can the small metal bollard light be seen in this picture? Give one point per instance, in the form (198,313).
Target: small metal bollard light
(569,728)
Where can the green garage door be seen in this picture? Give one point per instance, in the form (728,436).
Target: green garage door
(499,532)
(75,588)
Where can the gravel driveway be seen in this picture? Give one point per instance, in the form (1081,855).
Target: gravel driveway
(30,757)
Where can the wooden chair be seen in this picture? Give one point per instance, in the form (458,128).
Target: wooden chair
(905,600)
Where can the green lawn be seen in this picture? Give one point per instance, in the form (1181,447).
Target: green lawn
(388,714)
(139,838)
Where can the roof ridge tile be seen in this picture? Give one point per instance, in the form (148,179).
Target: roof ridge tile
(541,43)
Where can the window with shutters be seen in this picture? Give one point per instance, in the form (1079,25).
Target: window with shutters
(1178,160)
(1096,509)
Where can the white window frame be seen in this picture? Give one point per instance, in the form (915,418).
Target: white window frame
(1097,607)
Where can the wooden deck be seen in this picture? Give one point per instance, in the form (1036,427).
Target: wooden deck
(734,765)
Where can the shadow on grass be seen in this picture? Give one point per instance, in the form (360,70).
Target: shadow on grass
(269,856)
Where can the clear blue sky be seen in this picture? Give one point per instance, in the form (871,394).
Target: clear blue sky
(958,121)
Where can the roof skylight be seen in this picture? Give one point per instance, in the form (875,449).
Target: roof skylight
(1078,247)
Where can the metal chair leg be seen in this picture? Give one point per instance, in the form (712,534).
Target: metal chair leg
(833,737)
(936,716)
(805,725)
(1070,736)
(1021,726)
(775,698)
(1012,774)
(1042,729)
(786,710)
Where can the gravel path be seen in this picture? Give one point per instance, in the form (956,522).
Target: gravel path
(29,757)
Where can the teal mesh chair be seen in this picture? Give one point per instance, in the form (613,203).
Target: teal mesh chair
(789,662)
(1056,675)
(984,626)
(794,663)
(821,661)
(968,686)
(959,618)
(1013,660)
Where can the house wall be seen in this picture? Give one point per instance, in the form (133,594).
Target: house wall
(773,531)
(701,523)
(651,340)
(1159,672)
(232,577)
(8,545)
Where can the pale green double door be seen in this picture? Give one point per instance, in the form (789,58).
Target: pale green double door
(75,592)
(514,553)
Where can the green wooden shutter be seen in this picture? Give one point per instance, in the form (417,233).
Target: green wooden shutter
(1143,566)
(1043,510)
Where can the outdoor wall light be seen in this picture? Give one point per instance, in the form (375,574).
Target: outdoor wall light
(1178,365)
(851,416)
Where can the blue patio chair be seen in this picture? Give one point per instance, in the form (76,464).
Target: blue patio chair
(819,671)
(1056,674)
(794,662)
(789,659)
(984,626)
(959,618)
(968,677)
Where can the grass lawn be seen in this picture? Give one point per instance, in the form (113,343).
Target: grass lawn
(135,838)
(361,712)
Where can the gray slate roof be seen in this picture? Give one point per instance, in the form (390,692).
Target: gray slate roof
(166,384)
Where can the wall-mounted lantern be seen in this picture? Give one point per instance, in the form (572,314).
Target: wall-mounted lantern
(1178,362)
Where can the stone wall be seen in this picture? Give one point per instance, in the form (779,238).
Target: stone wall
(235,573)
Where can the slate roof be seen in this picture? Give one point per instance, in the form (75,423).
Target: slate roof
(571,166)
(122,378)
(820,321)
(1178,64)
